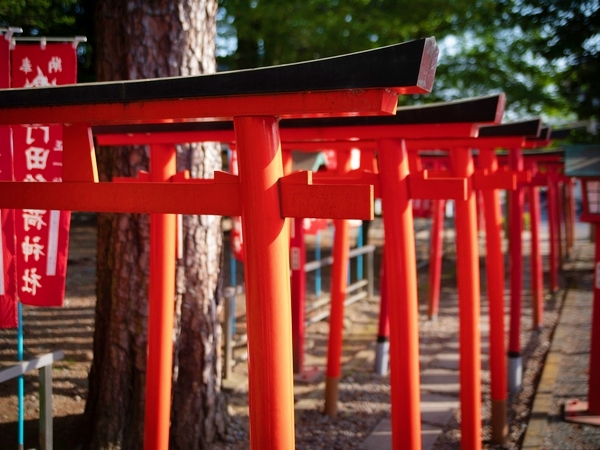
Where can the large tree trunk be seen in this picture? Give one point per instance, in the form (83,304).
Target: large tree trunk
(137,39)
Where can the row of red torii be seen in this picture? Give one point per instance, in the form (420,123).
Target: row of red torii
(515,135)
(246,107)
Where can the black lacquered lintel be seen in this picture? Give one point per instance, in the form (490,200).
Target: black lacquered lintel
(526,128)
(408,66)
(485,109)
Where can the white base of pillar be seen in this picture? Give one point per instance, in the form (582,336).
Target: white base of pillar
(382,358)
(515,374)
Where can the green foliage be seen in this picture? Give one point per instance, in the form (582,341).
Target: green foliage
(582,136)
(542,53)
(539,52)
(480,61)
(567,33)
(65,18)
(500,62)
(282,31)
(39,16)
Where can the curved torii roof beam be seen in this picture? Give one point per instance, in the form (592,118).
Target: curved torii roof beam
(406,68)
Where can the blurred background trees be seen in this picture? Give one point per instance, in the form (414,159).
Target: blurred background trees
(542,53)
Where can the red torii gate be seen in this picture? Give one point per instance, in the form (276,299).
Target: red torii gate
(499,179)
(489,179)
(500,136)
(400,253)
(255,100)
(516,200)
(404,269)
(533,135)
(504,129)
(553,166)
(394,179)
(549,167)
(514,129)
(489,162)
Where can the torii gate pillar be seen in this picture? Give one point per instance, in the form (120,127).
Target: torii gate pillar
(401,278)
(161,297)
(267,277)
(469,310)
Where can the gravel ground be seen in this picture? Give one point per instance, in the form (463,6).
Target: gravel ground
(573,346)
(47,329)
(535,348)
(363,395)
(572,379)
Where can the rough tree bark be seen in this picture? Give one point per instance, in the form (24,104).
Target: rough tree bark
(137,39)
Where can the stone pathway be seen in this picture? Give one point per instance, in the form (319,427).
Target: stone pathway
(439,394)
(564,375)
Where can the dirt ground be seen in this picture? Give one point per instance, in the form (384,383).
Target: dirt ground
(47,329)
(364,396)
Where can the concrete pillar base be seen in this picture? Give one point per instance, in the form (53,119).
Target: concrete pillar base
(515,373)
(382,358)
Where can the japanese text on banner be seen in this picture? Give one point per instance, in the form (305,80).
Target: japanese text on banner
(42,236)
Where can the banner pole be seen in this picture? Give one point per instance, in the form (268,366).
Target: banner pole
(20,380)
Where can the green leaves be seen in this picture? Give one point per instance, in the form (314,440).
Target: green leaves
(39,17)
(280,31)
(541,53)
(55,18)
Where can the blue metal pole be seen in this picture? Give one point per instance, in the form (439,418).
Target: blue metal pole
(359,258)
(232,261)
(20,380)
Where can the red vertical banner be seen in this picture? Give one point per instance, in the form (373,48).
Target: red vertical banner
(42,237)
(36,65)
(8,293)
(8,288)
